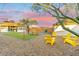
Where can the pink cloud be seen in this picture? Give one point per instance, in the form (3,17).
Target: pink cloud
(45,21)
(44,18)
(29,14)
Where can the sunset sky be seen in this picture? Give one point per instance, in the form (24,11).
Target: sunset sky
(14,11)
(18,11)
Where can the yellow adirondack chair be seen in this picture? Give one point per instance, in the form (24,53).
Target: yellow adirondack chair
(75,38)
(50,39)
(70,40)
(67,36)
(54,34)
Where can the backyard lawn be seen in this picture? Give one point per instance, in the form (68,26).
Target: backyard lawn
(20,35)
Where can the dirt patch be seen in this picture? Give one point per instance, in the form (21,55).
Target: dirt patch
(15,47)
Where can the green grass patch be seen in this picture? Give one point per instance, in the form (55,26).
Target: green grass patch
(20,35)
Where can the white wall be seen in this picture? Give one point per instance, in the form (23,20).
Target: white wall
(20,29)
(4,29)
(67,26)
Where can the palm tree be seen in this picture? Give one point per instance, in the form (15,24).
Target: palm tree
(27,22)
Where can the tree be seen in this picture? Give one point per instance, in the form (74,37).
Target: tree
(27,22)
(55,11)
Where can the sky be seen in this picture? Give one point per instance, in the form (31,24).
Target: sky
(13,11)
(15,6)
(18,11)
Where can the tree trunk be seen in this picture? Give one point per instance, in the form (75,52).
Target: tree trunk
(28,29)
(67,29)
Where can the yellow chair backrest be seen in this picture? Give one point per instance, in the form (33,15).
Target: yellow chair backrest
(47,36)
(54,34)
(76,37)
(69,35)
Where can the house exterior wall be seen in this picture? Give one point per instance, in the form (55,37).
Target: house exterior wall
(3,29)
(20,29)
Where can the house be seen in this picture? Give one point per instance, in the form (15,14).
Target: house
(35,29)
(7,26)
(61,31)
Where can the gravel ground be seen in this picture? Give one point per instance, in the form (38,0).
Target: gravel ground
(16,47)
